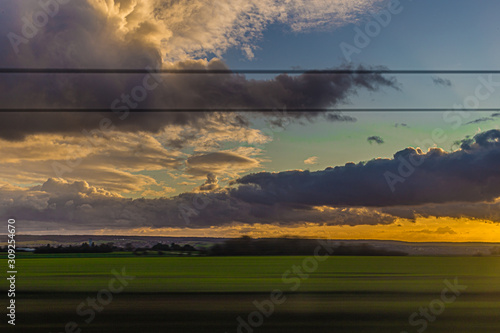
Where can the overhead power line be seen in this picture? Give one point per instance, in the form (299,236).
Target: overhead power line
(246,71)
(255,110)
(241,71)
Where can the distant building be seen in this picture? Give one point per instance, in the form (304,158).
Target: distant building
(25,249)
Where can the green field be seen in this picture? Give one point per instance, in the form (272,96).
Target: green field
(208,294)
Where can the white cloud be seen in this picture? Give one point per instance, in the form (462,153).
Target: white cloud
(223,163)
(163,192)
(217,129)
(197,28)
(311,160)
(110,162)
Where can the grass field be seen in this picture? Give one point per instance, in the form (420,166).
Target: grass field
(208,294)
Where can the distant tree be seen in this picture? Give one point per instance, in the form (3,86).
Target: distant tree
(84,248)
(175,247)
(217,250)
(188,248)
(161,247)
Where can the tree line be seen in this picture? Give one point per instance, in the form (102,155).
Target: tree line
(246,246)
(110,247)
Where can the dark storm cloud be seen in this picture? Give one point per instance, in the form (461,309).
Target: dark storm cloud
(488,211)
(462,184)
(81,37)
(469,175)
(376,139)
(206,92)
(77,205)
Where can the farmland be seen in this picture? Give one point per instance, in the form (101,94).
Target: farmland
(208,294)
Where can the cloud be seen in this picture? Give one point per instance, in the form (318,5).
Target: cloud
(462,184)
(60,207)
(194,35)
(222,162)
(211,184)
(196,28)
(441,82)
(119,161)
(112,161)
(439,231)
(487,211)
(186,184)
(64,188)
(480,120)
(311,160)
(376,139)
(216,129)
(41,208)
(162,34)
(165,191)
(468,175)
(306,92)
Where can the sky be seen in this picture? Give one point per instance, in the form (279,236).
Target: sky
(396,175)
